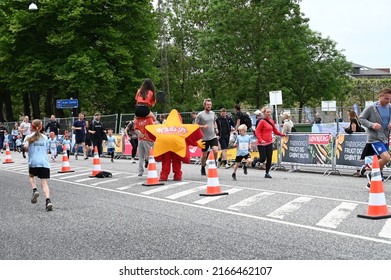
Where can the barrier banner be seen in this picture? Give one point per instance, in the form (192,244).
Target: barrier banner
(309,148)
(349,148)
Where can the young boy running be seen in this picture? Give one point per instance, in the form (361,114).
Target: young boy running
(242,145)
(111,143)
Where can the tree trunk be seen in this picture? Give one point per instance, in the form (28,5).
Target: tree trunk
(26,104)
(1,105)
(34,98)
(9,113)
(49,108)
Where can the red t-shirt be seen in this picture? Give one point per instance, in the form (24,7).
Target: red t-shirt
(149,100)
(140,124)
(264,132)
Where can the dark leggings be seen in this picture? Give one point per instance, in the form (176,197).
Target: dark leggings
(266,153)
(134,142)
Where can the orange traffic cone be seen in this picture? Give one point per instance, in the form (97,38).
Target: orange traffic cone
(96,167)
(377,207)
(65,161)
(8,158)
(213,187)
(152,179)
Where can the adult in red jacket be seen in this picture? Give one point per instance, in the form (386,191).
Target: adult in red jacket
(264,132)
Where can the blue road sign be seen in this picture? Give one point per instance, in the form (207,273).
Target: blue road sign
(67,103)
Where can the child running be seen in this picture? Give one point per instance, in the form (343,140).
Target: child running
(242,145)
(111,143)
(52,143)
(37,145)
(67,142)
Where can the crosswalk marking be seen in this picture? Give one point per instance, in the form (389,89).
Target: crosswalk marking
(186,192)
(128,187)
(386,230)
(250,201)
(108,180)
(209,199)
(290,207)
(67,176)
(85,179)
(337,215)
(167,187)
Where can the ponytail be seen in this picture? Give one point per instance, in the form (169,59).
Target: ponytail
(36,126)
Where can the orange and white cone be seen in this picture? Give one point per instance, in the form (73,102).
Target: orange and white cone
(377,206)
(213,185)
(96,168)
(65,161)
(152,179)
(8,158)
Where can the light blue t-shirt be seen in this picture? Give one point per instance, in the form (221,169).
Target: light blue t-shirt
(242,145)
(111,142)
(38,151)
(52,144)
(67,143)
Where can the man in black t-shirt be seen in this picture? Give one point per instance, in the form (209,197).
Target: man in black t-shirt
(224,127)
(98,133)
(53,125)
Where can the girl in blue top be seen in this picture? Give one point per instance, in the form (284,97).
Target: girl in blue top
(242,145)
(67,142)
(37,146)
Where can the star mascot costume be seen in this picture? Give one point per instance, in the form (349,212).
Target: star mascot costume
(172,140)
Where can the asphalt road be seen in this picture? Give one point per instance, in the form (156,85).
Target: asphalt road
(294,216)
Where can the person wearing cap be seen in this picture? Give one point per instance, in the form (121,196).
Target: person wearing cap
(225,125)
(258,117)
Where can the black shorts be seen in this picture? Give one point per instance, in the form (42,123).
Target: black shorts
(142,111)
(209,144)
(40,172)
(80,139)
(224,141)
(240,158)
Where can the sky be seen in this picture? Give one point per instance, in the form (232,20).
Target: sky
(361,28)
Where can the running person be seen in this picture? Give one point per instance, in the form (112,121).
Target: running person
(79,126)
(36,144)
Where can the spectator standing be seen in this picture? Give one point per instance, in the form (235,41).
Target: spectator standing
(98,133)
(206,121)
(79,127)
(15,133)
(53,126)
(25,129)
(225,125)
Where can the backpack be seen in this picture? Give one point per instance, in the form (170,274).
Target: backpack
(103,174)
(246,120)
(293,129)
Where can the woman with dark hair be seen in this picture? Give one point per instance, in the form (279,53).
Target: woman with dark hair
(145,98)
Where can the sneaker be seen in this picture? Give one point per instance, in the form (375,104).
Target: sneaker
(75,156)
(140,174)
(145,163)
(234,176)
(85,157)
(49,206)
(203,172)
(245,169)
(368,186)
(267,175)
(24,155)
(112,160)
(34,198)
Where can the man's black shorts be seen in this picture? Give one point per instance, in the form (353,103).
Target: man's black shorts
(40,172)
(210,144)
(80,138)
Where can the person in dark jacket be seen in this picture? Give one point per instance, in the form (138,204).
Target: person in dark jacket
(225,125)
(98,133)
(53,125)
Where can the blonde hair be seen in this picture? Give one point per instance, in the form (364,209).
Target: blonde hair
(36,126)
(242,127)
(263,110)
(285,116)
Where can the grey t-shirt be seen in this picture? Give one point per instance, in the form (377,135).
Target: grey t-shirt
(204,118)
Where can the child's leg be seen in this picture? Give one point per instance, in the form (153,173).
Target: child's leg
(236,166)
(68,153)
(33,182)
(45,188)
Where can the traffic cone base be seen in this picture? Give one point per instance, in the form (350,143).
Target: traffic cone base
(96,168)
(377,206)
(65,162)
(8,158)
(213,186)
(152,179)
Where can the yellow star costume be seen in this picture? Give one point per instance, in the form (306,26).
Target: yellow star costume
(173,135)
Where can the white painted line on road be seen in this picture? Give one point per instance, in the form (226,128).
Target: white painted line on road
(69,177)
(250,201)
(259,218)
(18,167)
(105,181)
(289,208)
(209,199)
(186,192)
(337,215)
(85,179)
(386,230)
(132,176)
(128,187)
(163,188)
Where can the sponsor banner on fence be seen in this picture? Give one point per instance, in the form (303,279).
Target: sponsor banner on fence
(307,148)
(349,148)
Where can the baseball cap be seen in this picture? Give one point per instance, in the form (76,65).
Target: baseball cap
(257,112)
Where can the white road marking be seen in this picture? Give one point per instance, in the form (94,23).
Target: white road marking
(163,188)
(386,230)
(337,215)
(128,187)
(71,176)
(209,199)
(250,201)
(186,192)
(105,181)
(289,208)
